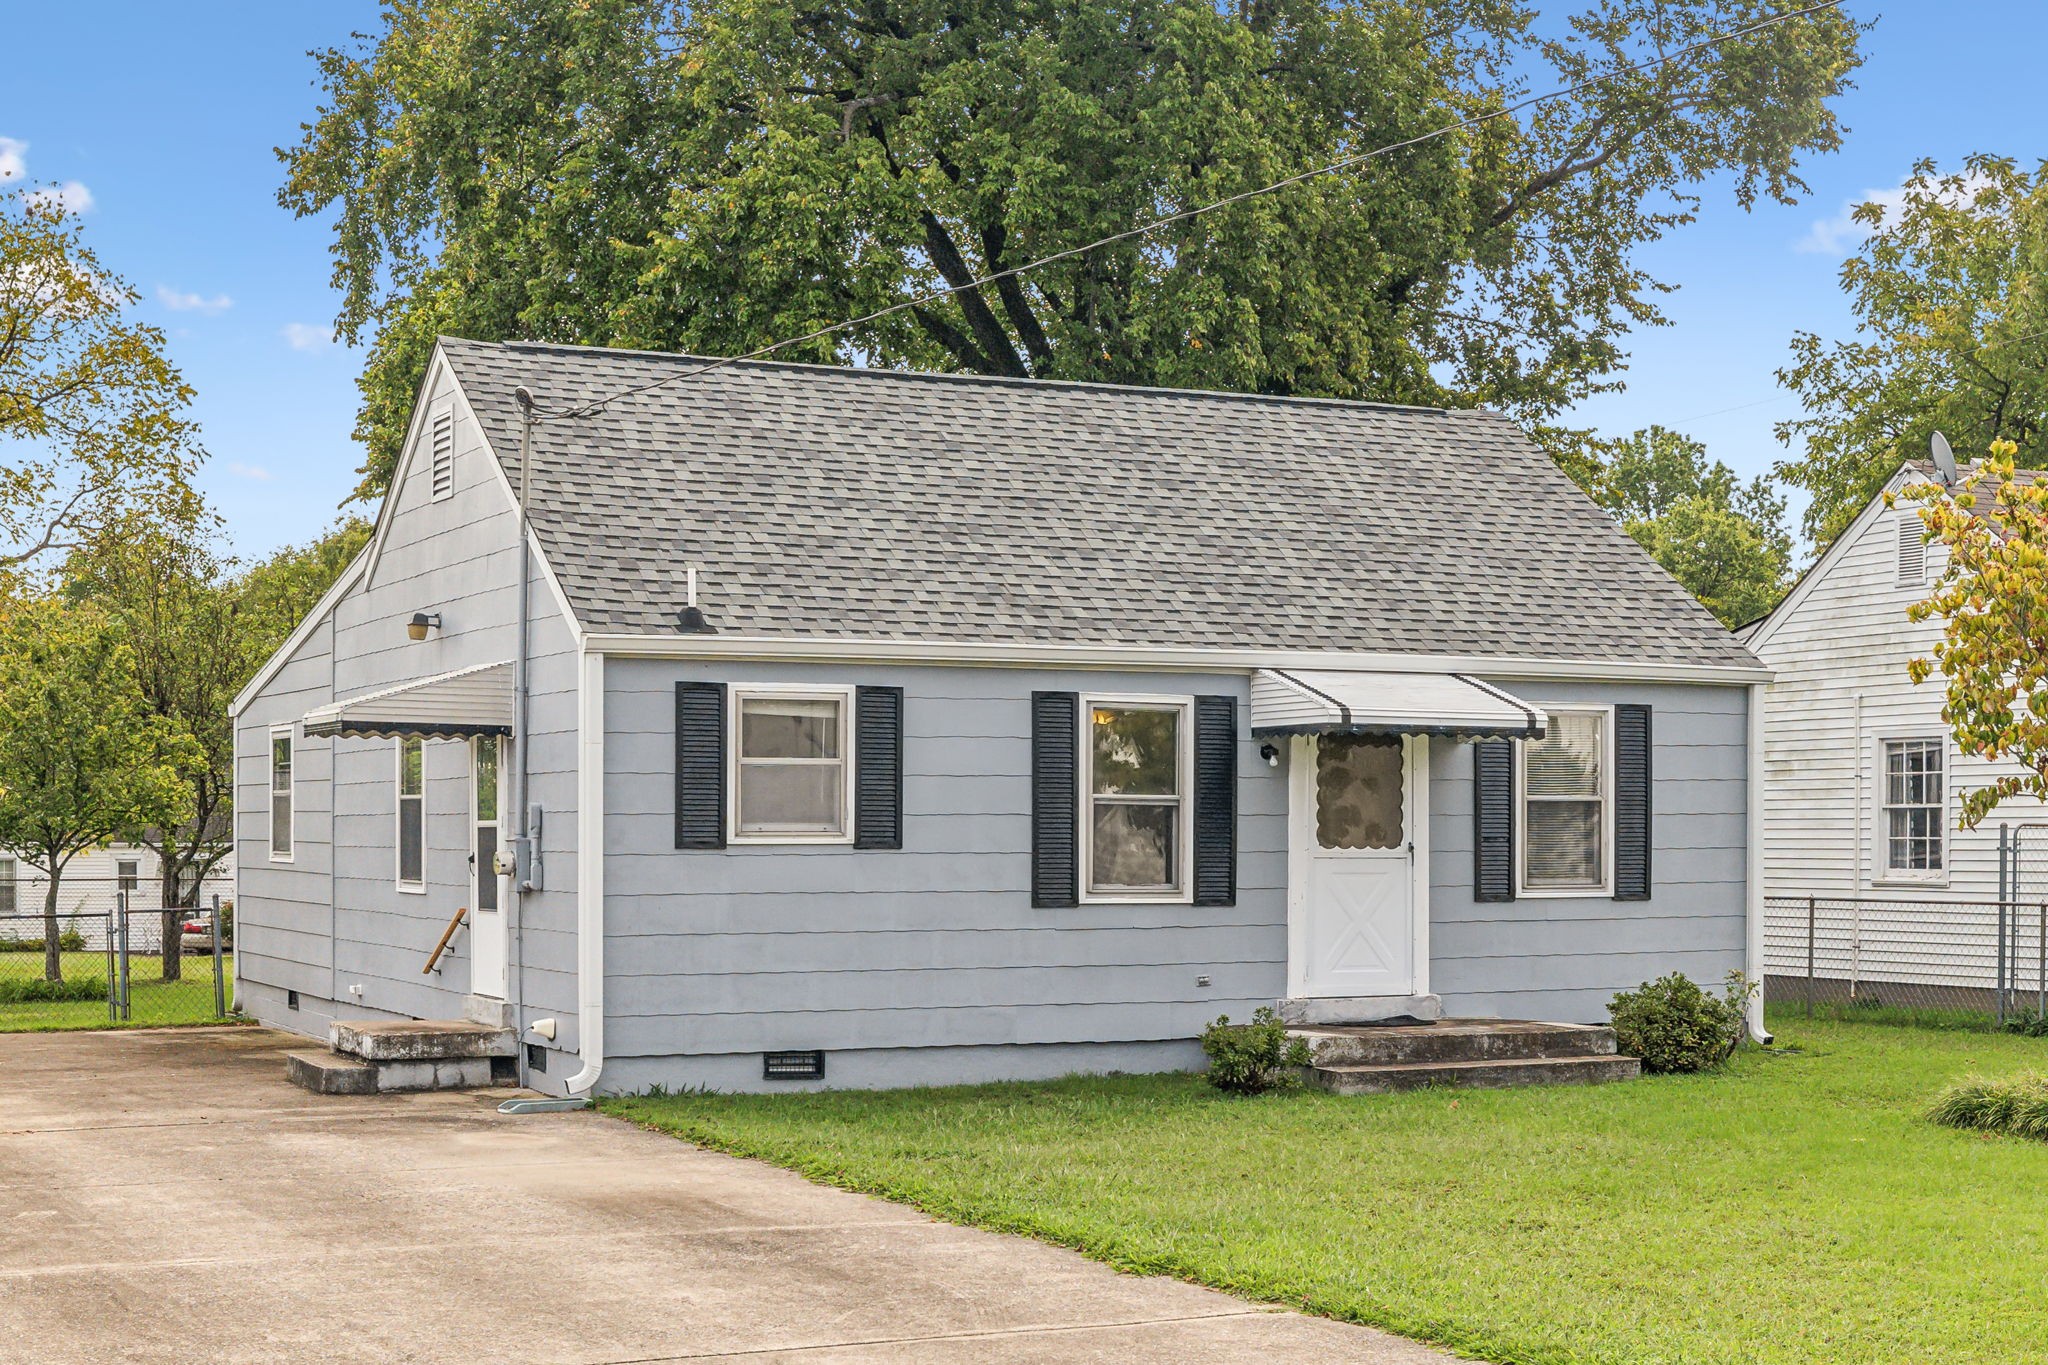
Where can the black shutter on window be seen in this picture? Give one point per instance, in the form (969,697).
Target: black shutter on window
(878,767)
(1055,799)
(700,765)
(1493,811)
(1215,801)
(1632,803)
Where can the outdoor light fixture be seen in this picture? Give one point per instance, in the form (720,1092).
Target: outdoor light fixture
(421,623)
(1270,754)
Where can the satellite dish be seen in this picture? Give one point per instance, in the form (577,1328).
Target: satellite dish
(1944,458)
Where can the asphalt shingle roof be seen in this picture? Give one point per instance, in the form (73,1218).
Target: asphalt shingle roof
(825,501)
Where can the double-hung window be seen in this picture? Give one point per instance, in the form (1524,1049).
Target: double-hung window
(791,776)
(1567,823)
(281,793)
(1135,802)
(412,815)
(8,905)
(1915,807)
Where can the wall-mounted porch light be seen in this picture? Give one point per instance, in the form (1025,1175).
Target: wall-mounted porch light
(1270,754)
(421,623)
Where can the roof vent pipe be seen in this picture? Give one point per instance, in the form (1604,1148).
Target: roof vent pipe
(690,620)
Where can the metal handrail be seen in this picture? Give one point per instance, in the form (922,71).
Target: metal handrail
(442,946)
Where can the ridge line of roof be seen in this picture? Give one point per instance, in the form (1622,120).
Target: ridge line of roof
(870,371)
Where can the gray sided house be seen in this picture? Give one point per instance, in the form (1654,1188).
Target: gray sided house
(1018,728)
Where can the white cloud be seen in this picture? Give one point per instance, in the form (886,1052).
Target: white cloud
(13,158)
(179,302)
(250,471)
(306,336)
(1841,235)
(72,196)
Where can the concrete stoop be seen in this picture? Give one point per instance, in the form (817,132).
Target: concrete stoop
(1474,1053)
(369,1057)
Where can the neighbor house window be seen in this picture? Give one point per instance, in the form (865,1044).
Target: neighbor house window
(1135,812)
(7,904)
(128,876)
(412,815)
(791,774)
(281,795)
(1567,818)
(1915,806)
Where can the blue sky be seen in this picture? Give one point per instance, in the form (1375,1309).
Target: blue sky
(169,128)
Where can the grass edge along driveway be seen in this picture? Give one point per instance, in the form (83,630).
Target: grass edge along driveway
(1793,1208)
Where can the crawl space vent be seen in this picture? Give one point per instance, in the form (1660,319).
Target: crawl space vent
(793,1066)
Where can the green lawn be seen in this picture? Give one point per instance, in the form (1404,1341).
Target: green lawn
(152,1001)
(1795,1208)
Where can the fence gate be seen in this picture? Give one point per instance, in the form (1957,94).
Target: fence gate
(113,958)
(2022,919)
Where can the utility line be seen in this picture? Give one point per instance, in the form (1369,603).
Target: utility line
(594,406)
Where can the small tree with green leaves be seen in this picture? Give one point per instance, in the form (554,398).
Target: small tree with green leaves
(82,755)
(1992,598)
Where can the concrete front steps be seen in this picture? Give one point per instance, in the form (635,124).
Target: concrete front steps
(373,1057)
(1375,1059)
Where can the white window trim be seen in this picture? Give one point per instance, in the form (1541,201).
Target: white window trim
(290,734)
(1606,886)
(1884,874)
(475,824)
(418,888)
(735,694)
(1184,840)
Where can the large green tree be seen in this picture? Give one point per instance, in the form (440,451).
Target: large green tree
(1950,293)
(719,175)
(82,756)
(92,412)
(1724,540)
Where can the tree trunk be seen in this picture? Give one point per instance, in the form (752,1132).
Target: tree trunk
(173,923)
(53,953)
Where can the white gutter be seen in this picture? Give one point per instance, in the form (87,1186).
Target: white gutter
(1008,654)
(589,874)
(1754,952)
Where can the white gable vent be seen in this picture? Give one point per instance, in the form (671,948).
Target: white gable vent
(1912,551)
(443,450)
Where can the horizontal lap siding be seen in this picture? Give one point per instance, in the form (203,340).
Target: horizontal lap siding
(1564,958)
(335,918)
(938,945)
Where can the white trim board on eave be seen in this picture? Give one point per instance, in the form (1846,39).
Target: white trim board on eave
(1014,653)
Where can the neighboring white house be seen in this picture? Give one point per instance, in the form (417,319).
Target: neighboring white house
(89,889)
(1862,779)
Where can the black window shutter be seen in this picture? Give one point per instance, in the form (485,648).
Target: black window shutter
(1215,801)
(878,767)
(1632,803)
(1493,811)
(700,765)
(1055,799)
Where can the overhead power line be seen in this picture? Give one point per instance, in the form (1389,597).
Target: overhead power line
(597,405)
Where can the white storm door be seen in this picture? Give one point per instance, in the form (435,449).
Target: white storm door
(1356,934)
(487,888)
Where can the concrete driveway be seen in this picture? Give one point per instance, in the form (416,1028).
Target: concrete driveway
(165,1196)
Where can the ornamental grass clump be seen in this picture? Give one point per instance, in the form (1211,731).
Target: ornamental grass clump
(1250,1059)
(2018,1106)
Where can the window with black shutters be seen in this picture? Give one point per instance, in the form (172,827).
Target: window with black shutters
(1567,805)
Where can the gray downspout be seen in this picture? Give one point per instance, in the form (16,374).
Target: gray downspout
(523,852)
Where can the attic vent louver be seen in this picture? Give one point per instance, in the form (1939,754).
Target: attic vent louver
(443,451)
(1912,551)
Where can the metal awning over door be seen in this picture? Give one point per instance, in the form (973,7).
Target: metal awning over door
(469,701)
(1323,701)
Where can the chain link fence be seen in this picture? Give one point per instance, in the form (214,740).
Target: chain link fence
(1982,959)
(105,955)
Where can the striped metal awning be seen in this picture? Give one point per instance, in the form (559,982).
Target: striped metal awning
(1315,702)
(469,701)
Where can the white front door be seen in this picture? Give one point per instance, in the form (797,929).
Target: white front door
(487,888)
(1358,802)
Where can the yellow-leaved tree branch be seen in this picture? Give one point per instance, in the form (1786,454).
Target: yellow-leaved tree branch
(1992,598)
